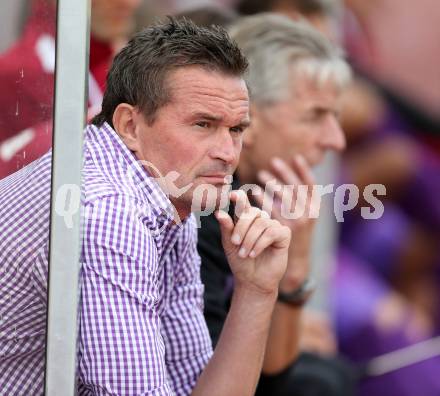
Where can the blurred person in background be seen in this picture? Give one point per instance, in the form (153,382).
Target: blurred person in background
(394,275)
(389,266)
(27,76)
(317,333)
(294,122)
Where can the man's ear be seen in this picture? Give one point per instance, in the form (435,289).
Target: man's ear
(250,135)
(125,119)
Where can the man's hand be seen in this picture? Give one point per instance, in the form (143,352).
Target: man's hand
(256,246)
(297,175)
(317,335)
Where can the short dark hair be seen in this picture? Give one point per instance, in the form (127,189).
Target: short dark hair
(139,70)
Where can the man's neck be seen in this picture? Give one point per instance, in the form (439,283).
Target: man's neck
(181,212)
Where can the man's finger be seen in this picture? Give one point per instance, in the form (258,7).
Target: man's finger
(241,201)
(303,170)
(244,222)
(285,173)
(226,228)
(285,196)
(265,202)
(271,184)
(275,235)
(252,236)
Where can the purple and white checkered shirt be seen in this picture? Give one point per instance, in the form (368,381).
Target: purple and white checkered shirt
(141,325)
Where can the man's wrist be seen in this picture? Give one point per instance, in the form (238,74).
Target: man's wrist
(254,294)
(299,296)
(295,275)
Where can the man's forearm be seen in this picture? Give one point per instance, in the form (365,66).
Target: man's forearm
(235,367)
(283,341)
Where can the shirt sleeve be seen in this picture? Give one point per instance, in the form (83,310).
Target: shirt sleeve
(121,350)
(216,276)
(187,341)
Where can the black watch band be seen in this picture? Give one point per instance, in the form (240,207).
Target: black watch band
(300,295)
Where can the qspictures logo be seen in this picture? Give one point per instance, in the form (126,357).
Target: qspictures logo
(294,201)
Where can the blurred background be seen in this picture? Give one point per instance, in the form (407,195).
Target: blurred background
(379,279)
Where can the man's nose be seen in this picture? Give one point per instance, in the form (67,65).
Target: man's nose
(225,147)
(334,135)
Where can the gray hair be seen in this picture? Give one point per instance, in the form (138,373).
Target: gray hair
(278,49)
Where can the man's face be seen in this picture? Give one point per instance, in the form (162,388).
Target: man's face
(306,123)
(198,134)
(113,19)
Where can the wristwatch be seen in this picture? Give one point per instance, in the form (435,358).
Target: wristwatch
(300,295)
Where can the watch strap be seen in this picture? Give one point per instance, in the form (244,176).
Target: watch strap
(300,295)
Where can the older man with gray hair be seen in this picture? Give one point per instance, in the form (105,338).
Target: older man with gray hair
(296,78)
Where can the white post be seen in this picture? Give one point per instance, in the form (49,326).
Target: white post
(72,55)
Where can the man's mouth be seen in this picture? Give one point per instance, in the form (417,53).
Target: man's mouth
(216,178)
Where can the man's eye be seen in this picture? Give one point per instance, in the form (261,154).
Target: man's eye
(203,124)
(237,129)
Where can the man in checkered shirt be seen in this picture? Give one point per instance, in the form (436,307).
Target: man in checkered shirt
(176,104)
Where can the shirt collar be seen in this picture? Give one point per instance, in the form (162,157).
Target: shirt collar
(131,172)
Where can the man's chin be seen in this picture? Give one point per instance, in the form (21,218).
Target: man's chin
(211,198)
